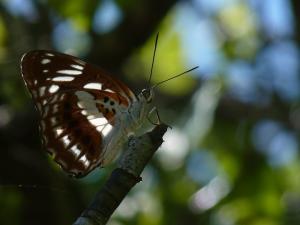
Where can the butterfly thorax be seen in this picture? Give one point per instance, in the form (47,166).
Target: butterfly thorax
(140,109)
(128,123)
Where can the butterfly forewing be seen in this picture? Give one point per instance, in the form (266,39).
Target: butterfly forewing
(78,105)
(49,67)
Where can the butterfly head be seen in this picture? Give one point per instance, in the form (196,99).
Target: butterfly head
(141,108)
(146,95)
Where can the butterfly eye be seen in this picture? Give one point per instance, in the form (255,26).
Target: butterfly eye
(147,94)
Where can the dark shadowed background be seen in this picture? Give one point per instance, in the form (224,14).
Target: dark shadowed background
(232,157)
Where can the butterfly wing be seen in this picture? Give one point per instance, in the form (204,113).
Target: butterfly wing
(78,104)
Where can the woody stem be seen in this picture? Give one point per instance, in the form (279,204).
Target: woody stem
(132,162)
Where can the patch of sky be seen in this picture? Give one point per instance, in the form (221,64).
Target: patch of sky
(242,83)
(24,8)
(201,40)
(275,15)
(279,145)
(108,15)
(278,66)
(212,6)
(202,166)
(66,38)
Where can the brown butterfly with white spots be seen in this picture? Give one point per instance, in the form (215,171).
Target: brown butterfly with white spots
(86,114)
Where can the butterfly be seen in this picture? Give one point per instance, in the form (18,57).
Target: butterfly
(85,113)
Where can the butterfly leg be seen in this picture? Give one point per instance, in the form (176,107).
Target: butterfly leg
(154,109)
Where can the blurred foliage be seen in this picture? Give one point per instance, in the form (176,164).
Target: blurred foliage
(80,13)
(232,157)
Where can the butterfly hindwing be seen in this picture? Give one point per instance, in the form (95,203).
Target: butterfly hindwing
(78,105)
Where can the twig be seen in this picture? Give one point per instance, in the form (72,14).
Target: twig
(132,162)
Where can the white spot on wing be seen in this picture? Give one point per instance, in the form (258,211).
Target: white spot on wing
(66,140)
(78,67)
(74,149)
(90,117)
(63,78)
(59,131)
(42,90)
(88,104)
(84,112)
(107,129)
(49,54)
(69,72)
(98,121)
(53,88)
(86,101)
(45,71)
(83,95)
(100,128)
(87,163)
(45,61)
(97,86)
(109,90)
(84,160)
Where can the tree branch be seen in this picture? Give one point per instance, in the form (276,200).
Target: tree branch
(131,164)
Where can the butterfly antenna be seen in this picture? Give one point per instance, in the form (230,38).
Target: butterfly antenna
(173,77)
(153,59)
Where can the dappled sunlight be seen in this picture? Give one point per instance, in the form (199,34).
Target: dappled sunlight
(174,149)
(169,62)
(201,118)
(107,16)
(208,56)
(242,85)
(275,16)
(141,203)
(202,166)
(279,145)
(24,8)
(278,70)
(238,21)
(79,13)
(209,195)
(232,155)
(69,39)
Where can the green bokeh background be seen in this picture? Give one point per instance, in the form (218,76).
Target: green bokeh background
(217,165)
